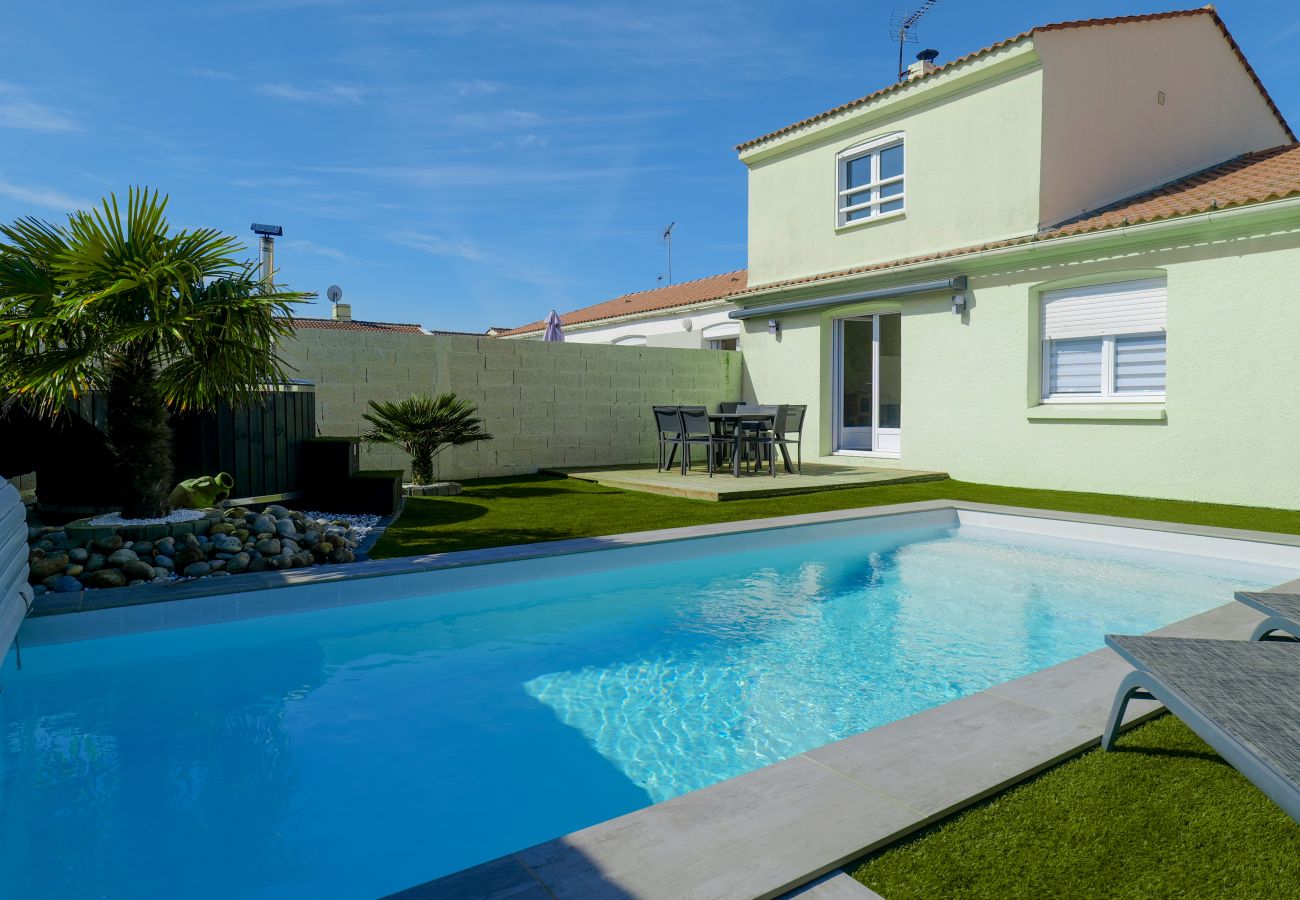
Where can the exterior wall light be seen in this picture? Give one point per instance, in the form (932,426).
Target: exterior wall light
(687,324)
(773,326)
(959,304)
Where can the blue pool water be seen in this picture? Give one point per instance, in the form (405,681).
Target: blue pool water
(353,751)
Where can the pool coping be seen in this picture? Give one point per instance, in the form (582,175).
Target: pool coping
(51,604)
(792,823)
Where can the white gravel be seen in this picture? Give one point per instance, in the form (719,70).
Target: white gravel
(177,515)
(361,524)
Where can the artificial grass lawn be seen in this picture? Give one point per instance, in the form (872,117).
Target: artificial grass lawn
(493,512)
(1166,817)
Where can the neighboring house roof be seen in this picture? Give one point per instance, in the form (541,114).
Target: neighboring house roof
(1058,26)
(1256,177)
(688,293)
(354,325)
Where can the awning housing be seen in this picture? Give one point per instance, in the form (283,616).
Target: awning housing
(955,283)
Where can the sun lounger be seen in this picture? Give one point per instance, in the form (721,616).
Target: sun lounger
(1241,697)
(1283,611)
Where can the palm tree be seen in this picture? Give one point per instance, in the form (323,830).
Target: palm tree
(424,426)
(160,321)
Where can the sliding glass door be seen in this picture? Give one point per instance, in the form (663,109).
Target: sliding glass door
(867,384)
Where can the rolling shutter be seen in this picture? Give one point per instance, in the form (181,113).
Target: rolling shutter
(1100,310)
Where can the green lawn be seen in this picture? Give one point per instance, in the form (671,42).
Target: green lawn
(1166,817)
(493,512)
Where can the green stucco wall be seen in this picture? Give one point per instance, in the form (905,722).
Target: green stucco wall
(545,404)
(972,167)
(1231,423)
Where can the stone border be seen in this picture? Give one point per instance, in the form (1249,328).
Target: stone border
(773,830)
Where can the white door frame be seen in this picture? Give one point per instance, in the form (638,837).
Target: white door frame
(884,442)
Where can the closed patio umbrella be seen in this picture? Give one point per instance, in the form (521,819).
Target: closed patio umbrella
(553,330)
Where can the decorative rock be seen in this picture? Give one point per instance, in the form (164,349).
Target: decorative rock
(342,555)
(65,584)
(238,563)
(277,512)
(217,565)
(143,548)
(303,559)
(195,570)
(163,562)
(74,570)
(95,562)
(106,578)
(109,544)
(190,541)
(282,526)
(322,549)
(121,557)
(165,547)
(280,561)
(78,554)
(227,543)
(258,564)
(188,556)
(267,547)
(137,568)
(289,545)
(50,564)
(263,525)
(160,573)
(43,545)
(34,554)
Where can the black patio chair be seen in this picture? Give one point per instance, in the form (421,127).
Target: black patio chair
(696,431)
(668,423)
(759,434)
(791,422)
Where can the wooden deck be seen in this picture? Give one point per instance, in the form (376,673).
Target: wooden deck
(697,485)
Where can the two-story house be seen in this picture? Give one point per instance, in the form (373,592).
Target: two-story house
(1068,260)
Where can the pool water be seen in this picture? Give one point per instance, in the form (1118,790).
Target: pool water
(354,751)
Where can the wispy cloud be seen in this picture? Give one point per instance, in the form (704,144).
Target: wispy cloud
(18,110)
(46,198)
(475,87)
(474,175)
(438,245)
(1285,34)
(315,249)
(214,74)
(326,92)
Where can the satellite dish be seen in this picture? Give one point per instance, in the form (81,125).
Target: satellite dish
(335,293)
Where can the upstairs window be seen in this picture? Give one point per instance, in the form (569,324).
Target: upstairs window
(1105,342)
(870,180)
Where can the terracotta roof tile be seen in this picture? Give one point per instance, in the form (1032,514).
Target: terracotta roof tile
(1256,177)
(355,325)
(1057,26)
(686,293)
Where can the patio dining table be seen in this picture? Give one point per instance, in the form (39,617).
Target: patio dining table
(736,418)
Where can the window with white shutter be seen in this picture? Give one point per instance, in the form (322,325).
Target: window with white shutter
(1105,342)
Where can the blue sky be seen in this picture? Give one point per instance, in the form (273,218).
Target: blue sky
(471,163)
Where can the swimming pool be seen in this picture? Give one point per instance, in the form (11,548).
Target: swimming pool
(456,716)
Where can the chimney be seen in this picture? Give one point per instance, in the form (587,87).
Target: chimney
(923,66)
(343,312)
(267,235)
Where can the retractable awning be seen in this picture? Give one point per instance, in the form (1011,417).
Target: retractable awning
(955,283)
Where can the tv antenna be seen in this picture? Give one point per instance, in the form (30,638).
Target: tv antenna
(901,25)
(668,239)
(334,294)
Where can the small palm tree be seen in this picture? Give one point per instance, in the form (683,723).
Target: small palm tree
(424,426)
(160,321)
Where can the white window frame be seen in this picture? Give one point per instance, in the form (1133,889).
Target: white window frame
(871,149)
(1108,393)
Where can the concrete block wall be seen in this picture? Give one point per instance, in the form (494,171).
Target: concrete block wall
(545,404)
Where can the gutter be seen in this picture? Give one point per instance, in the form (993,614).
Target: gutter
(1280,208)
